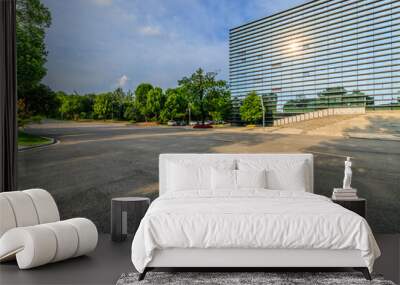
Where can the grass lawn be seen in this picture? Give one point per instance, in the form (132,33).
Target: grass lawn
(25,139)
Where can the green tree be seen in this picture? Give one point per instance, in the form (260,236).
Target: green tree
(86,106)
(102,108)
(251,109)
(117,100)
(70,107)
(130,111)
(202,87)
(41,100)
(32,20)
(141,98)
(154,103)
(220,105)
(175,105)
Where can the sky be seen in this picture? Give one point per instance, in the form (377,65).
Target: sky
(99,45)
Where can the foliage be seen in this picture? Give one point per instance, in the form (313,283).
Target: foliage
(202,88)
(25,139)
(141,98)
(32,20)
(154,103)
(22,115)
(103,107)
(219,105)
(41,100)
(129,108)
(200,95)
(251,110)
(70,106)
(175,105)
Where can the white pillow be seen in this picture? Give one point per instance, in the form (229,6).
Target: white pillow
(192,174)
(293,180)
(251,178)
(186,178)
(223,179)
(282,174)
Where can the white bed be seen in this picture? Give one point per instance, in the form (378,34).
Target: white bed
(248,227)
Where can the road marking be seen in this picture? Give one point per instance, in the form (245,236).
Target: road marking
(329,154)
(76,135)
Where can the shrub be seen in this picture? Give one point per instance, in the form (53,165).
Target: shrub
(37,119)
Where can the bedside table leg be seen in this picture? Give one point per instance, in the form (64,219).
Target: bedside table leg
(143,274)
(364,271)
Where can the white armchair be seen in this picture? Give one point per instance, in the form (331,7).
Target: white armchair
(31,230)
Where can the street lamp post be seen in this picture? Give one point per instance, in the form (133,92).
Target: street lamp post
(263,111)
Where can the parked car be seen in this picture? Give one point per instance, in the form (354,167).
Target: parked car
(181,123)
(172,123)
(193,123)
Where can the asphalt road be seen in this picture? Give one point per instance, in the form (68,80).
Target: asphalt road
(95,162)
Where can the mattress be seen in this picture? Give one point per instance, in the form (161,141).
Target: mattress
(253,219)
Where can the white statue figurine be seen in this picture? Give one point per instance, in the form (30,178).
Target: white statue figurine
(347,174)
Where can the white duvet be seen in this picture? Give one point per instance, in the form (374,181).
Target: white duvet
(250,219)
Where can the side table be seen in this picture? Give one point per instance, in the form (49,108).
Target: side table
(126,214)
(358,205)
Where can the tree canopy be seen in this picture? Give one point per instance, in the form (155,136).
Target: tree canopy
(203,88)
(32,20)
(175,106)
(141,98)
(154,103)
(251,109)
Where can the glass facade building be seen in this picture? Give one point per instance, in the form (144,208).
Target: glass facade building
(322,54)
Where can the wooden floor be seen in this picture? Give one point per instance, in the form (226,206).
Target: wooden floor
(110,260)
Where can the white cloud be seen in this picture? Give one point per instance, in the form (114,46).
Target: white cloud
(103,2)
(122,81)
(149,30)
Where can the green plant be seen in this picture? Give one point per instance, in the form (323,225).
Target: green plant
(251,109)
(37,119)
(203,88)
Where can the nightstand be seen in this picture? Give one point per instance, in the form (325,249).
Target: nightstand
(358,206)
(126,214)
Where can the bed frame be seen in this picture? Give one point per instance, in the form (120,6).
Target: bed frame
(250,259)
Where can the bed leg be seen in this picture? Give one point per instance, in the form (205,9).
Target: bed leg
(364,271)
(142,275)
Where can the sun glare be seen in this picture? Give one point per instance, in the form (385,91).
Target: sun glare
(294,47)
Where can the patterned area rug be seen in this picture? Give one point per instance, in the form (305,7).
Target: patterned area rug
(269,278)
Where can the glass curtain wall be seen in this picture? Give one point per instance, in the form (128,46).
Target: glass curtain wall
(323,54)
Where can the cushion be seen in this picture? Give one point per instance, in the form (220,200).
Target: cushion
(223,179)
(282,174)
(192,174)
(188,177)
(251,179)
(227,180)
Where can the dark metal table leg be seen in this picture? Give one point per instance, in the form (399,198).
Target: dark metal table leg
(143,274)
(364,271)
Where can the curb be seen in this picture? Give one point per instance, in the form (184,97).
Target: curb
(53,141)
(379,137)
